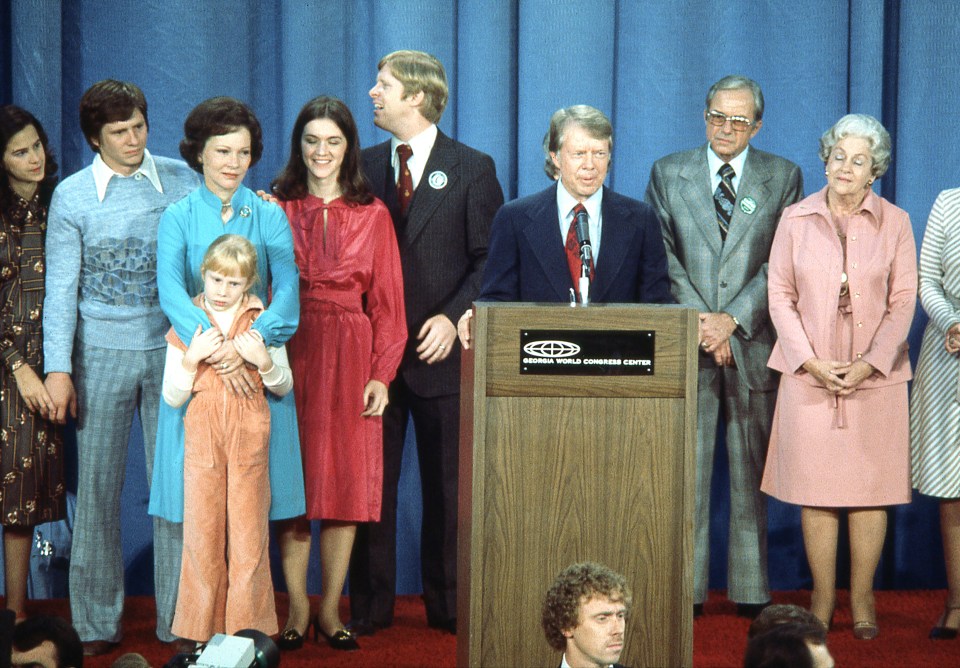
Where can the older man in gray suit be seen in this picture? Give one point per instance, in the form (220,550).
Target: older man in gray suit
(718,207)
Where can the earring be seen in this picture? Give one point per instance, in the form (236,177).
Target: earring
(826,172)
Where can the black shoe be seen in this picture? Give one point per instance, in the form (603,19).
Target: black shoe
(697,610)
(449,625)
(751,610)
(941,632)
(291,639)
(342,639)
(361,627)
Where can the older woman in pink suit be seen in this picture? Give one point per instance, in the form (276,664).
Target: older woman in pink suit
(843,287)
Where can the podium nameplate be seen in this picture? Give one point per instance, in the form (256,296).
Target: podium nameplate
(581,352)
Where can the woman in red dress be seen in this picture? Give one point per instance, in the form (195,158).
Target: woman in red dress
(344,355)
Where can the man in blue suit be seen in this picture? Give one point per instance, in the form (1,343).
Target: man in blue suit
(527,260)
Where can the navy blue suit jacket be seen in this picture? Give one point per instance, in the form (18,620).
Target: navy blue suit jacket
(527,262)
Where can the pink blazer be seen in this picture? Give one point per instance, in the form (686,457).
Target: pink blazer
(803,286)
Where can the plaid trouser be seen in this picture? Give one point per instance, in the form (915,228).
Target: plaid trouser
(111,384)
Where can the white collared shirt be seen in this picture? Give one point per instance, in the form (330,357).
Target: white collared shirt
(421,145)
(565,664)
(714,163)
(593,205)
(102,173)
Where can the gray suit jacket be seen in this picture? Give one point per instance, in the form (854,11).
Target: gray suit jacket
(710,275)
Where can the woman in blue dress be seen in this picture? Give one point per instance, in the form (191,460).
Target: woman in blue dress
(223,205)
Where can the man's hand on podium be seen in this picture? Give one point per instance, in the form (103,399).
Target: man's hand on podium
(463,328)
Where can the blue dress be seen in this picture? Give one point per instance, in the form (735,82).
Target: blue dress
(187,228)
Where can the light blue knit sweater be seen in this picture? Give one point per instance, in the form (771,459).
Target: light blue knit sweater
(101,285)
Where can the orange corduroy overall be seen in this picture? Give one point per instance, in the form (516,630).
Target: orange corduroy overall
(225,580)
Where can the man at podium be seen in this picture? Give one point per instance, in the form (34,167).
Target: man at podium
(538,254)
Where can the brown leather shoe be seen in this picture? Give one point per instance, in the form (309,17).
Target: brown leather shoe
(181,646)
(98,647)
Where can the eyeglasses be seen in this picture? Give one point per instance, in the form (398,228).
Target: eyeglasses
(738,123)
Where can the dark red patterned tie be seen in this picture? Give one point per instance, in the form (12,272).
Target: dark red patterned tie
(405,180)
(573,250)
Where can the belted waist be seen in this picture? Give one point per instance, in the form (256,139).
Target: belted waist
(348,300)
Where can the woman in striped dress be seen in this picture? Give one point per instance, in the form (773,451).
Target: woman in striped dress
(935,403)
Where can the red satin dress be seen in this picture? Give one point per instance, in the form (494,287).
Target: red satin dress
(352,329)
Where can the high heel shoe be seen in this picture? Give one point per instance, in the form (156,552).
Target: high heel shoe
(941,632)
(291,639)
(865,630)
(341,639)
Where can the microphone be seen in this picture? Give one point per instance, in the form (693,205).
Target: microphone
(586,255)
(583,238)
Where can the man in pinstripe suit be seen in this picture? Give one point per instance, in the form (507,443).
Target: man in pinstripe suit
(718,207)
(442,196)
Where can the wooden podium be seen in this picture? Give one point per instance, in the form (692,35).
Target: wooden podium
(557,468)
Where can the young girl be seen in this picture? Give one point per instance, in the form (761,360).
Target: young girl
(226,450)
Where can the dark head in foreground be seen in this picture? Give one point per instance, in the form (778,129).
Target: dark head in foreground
(790,645)
(45,641)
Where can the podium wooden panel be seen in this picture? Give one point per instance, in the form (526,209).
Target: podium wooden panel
(556,469)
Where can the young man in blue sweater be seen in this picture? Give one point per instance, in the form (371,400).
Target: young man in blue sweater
(103,341)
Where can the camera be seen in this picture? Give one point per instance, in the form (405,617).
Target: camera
(248,648)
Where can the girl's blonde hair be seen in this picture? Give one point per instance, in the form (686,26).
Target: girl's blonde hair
(231,254)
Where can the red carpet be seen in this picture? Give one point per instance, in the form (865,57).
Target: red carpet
(720,636)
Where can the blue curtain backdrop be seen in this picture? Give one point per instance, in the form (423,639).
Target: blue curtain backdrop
(511,63)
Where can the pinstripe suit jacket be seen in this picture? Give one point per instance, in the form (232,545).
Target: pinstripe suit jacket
(731,276)
(443,245)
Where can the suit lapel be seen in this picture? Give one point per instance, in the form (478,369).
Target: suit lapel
(542,231)
(696,192)
(616,238)
(379,170)
(753,190)
(443,158)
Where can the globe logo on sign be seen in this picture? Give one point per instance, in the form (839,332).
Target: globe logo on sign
(552,349)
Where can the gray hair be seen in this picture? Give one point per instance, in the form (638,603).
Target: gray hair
(737,82)
(867,127)
(589,118)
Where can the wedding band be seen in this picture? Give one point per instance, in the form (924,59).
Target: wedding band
(223,365)
(442,347)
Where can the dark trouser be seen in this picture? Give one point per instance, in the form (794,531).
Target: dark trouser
(373,565)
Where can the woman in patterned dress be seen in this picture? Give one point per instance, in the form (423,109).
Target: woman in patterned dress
(31,465)
(934,407)
(346,352)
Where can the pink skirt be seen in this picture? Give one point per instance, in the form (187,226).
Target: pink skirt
(847,452)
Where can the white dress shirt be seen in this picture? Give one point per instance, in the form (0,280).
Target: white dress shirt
(421,145)
(593,205)
(714,163)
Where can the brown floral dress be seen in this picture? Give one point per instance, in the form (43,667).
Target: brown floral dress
(31,448)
